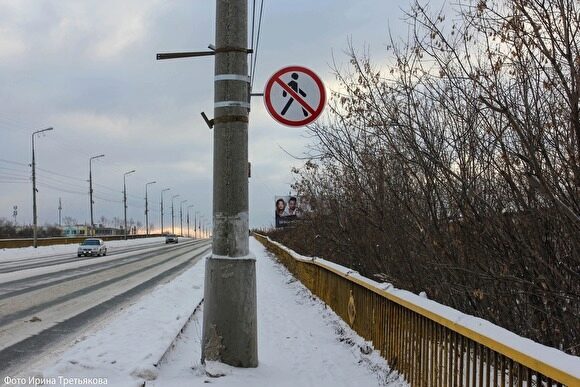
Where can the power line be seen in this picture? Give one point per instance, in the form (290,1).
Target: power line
(107,200)
(61,175)
(78,179)
(14,162)
(11,170)
(14,181)
(54,180)
(15,172)
(109,188)
(14,178)
(252,38)
(65,185)
(22,128)
(255,56)
(60,189)
(73,185)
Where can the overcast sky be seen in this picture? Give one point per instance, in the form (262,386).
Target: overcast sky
(87,68)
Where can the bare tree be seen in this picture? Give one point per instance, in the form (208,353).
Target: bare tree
(456,170)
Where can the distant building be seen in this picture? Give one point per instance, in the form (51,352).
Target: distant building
(81,230)
(76,230)
(104,231)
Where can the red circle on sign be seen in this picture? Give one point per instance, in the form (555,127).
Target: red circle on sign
(314,112)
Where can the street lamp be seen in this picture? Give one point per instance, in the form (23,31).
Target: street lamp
(91,189)
(188,207)
(195,225)
(125,198)
(208,229)
(202,226)
(163,190)
(34,216)
(147,208)
(172,214)
(181,216)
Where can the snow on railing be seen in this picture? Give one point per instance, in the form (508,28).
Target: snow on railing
(430,343)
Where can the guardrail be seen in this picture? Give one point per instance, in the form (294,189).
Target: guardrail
(27,242)
(429,343)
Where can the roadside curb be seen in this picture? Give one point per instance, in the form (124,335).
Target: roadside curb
(174,341)
(170,347)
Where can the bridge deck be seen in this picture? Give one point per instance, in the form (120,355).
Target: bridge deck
(301,342)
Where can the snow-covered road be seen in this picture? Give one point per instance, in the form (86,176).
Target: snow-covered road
(61,254)
(42,305)
(301,342)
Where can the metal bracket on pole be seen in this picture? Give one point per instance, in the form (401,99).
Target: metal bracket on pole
(176,55)
(207,121)
(221,77)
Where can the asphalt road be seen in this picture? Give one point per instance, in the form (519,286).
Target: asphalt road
(45,301)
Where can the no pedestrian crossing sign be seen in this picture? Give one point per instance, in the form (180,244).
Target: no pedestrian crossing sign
(294,96)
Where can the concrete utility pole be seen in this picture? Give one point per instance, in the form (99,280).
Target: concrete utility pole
(188,207)
(163,190)
(173,214)
(147,208)
(229,316)
(91,190)
(125,199)
(34,215)
(181,216)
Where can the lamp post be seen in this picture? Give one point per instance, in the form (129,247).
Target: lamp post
(125,198)
(91,189)
(147,208)
(195,224)
(202,226)
(163,190)
(181,216)
(188,207)
(33,165)
(173,214)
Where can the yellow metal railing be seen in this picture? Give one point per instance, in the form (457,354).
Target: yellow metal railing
(427,348)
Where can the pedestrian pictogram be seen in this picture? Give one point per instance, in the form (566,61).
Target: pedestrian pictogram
(294,96)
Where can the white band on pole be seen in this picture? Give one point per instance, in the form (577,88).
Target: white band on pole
(232,77)
(224,104)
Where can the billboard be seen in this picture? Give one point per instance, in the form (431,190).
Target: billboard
(286,210)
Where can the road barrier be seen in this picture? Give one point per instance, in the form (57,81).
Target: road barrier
(27,242)
(430,344)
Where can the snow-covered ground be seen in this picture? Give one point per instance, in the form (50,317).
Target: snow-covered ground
(301,342)
(71,248)
(24,255)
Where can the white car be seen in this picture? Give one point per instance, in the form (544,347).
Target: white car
(93,247)
(171,238)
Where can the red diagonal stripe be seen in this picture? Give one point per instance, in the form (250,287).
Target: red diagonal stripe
(296,97)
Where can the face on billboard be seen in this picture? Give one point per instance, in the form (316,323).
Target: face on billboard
(280,206)
(286,210)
